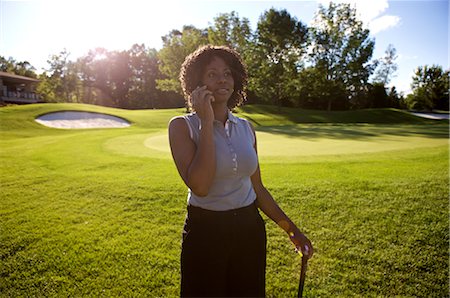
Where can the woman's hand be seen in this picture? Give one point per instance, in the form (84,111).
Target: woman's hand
(201,102)
(301,243)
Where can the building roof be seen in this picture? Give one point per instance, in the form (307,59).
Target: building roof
(9,77)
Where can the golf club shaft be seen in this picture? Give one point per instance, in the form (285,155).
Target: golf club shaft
(302,276)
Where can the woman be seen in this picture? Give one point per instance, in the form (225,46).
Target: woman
(215,152)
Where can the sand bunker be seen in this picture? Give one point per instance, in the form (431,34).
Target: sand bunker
(433,116)
(81,120)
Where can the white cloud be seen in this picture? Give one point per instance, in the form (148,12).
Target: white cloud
(367,10)
(382,23)
(370,12)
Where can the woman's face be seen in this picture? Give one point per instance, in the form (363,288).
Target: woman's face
(218,79)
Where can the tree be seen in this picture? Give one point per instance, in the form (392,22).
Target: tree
(145,72)
(176,46)
(94,71)
(57,70)
(341,52)
(386,66)
(228,29)
(430,88)
(377,96)
(45,88)
(60,82)
(280,43)
(120,74)
(21,68)
(94,81)
(311,84)
(107,77)
(395,99)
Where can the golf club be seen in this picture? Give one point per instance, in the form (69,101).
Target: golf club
(302,276)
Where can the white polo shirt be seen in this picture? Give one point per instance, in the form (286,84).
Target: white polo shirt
(236,161)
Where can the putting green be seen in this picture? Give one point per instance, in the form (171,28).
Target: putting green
(135,145)
(305,140)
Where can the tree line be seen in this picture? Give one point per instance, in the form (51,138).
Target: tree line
(327,66)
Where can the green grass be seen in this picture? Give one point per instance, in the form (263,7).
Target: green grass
(99,212)
(271,115)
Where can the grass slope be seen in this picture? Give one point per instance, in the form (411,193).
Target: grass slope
(263,115)
(81,216)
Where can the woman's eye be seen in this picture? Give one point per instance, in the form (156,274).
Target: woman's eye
(227,74)
(211,75)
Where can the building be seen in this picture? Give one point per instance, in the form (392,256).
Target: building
(17,89)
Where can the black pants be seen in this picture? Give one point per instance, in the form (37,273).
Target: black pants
(224,253)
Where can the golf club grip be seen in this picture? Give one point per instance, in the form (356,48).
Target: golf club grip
(302,276)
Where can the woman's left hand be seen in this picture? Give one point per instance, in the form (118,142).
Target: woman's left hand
(302,243)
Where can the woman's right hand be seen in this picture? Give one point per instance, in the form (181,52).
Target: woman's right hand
(201,99)
(302,243)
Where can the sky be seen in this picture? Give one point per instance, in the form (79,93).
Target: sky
(34,30)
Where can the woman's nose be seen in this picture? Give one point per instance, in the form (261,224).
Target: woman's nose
(221,78)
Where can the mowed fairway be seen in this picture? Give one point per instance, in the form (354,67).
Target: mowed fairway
(99,212)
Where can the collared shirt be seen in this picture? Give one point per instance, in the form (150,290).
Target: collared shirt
(236,161)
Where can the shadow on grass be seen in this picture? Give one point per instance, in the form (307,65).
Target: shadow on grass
(293,115)
(356,131)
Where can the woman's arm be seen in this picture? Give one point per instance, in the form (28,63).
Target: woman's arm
(196,164)
(268,205)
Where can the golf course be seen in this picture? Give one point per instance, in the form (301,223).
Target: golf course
(99,212)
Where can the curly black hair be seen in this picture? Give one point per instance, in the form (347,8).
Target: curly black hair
(196,62)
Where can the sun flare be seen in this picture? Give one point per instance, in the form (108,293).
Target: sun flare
(84,26)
